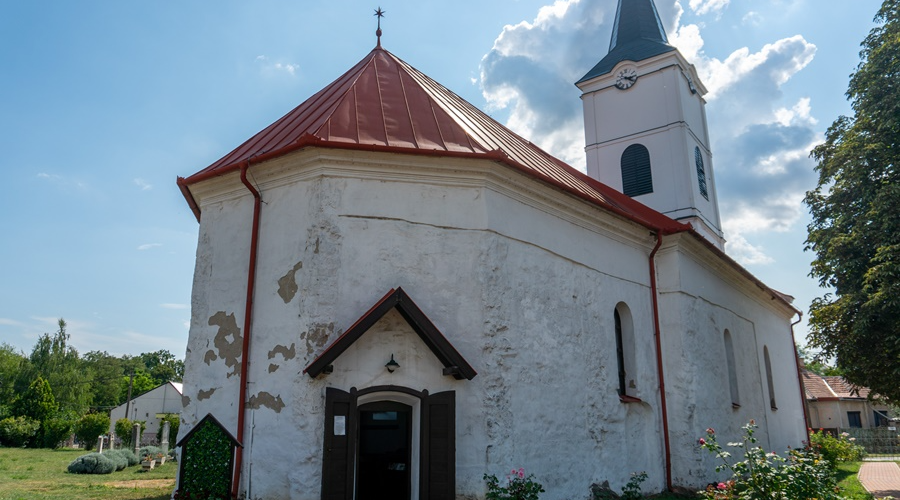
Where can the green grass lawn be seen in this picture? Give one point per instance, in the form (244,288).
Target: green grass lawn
(849,482)
(27,474)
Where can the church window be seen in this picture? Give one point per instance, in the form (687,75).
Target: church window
(627,387)
(732,370)
(701,172)
(636,176)
(768,363)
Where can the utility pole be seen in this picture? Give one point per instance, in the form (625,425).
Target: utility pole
(128,403)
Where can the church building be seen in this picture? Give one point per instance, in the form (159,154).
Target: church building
(395,294)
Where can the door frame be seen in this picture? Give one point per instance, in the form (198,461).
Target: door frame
(415,441)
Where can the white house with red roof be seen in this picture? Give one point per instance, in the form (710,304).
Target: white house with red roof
(394,294)
(836,405)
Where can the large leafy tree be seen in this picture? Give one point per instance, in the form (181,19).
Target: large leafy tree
(855,228)
(56,361)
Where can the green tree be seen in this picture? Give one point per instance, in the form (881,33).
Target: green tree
(37,402)
(855,228)
(55,360)
(11,363)
(106,374)
(90,427)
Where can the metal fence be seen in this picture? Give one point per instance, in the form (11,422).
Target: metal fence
(881,443)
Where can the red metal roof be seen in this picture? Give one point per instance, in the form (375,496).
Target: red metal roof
(384,104)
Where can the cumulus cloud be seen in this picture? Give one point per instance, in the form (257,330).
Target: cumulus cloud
(760,144)
(148,246)
(144,185)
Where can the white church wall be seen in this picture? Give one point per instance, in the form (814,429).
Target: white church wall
(512,279)
(698,305)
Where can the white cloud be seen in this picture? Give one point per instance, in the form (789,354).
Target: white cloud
(701,7)
(144,185)
(742,251)
(174,306)
(752,18)
(9,322)
(276,67)
(148,246)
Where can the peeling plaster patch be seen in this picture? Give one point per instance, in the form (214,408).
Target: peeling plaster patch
(317,336)
(185,401)
(229,351)
(287,353)
(210,356)
(267,400)
(287,284)
(272,368)
(205,394)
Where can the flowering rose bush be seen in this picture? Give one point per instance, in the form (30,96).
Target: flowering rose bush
(518,486)
(836,448)
(802,475)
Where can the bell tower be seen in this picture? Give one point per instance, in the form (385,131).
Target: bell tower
(645,122)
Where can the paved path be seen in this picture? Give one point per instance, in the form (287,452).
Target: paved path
(882,479)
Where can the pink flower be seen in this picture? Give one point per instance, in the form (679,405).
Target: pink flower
(521,473)
(710,431)
(721,486)
(702,441)
(513,472)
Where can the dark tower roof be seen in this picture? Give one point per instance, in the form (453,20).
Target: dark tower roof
(637,34)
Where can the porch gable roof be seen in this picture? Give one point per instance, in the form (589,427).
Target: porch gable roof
(454,363)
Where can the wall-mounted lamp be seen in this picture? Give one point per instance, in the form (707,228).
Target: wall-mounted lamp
(392,365)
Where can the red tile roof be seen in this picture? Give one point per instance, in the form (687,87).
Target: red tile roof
(383,103)
(819,387)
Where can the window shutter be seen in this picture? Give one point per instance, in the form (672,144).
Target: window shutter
(438,469)
(337,462)
(637,178)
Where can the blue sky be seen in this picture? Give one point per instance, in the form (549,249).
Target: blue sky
(104,103)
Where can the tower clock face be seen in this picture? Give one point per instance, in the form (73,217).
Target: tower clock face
(626,78)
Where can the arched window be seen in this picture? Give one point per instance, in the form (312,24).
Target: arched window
(627,387)
(701,172)
(636,176)
(732,370)
(769,378)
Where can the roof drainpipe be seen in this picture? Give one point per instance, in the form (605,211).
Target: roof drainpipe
(659,360)
(803,402)
(248,309)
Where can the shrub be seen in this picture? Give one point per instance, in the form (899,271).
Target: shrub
(125,427)
(149,451)
(117,458)
(836,449)
(129,456)
(17,431)
(803,475)
(54,431)
(90,427)
(518,486)
(174,420)
(92,463)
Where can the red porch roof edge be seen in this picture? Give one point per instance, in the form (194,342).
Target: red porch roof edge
(452,360)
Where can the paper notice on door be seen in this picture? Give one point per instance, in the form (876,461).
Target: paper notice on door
(340,425)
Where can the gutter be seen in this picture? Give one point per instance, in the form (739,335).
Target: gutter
(248,310)
(659,360)
(803,402)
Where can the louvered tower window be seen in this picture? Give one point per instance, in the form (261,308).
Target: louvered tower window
(636,176)
(701,173)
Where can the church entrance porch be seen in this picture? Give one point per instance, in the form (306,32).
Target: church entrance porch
(384,451)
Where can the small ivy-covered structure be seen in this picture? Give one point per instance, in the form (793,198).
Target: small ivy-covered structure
(207,461)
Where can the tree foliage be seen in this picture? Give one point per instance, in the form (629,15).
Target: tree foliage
(855,228)
(90,427)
